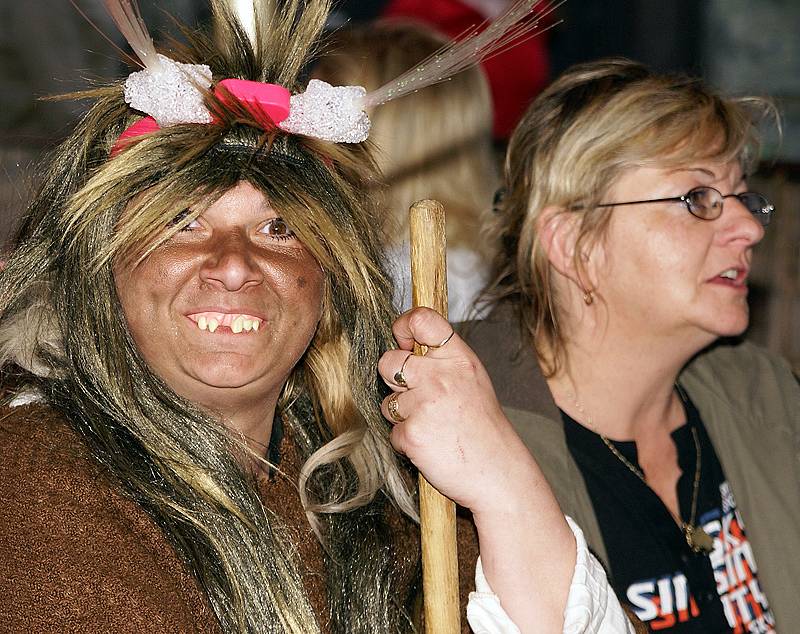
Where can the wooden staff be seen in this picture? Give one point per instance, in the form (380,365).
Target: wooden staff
(437,513)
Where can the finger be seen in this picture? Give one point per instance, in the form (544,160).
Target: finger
(397,439)
(413,432)
(423,326)
(392,408)
(393,368)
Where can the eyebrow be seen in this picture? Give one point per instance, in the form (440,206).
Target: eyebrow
(708,172)
(695,169)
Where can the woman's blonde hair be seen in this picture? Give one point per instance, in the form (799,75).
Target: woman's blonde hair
(62,322)
(435,143)
(589,126)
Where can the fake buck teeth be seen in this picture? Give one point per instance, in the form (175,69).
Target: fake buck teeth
(730,274)
(237,323)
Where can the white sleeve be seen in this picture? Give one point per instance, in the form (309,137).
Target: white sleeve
(592,606)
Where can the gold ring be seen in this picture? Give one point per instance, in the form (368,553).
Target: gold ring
(399,377)
(446,339)
(394,412)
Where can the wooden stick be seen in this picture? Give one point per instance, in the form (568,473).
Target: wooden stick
(437,513)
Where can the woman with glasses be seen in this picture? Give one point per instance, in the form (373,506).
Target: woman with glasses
(625,241)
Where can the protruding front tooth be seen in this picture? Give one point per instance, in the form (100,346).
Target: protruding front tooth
(247,324)
(212,324)
(730,274)
(256,323)
(237,324)
(202,323)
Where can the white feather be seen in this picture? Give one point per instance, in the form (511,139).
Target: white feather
(127,17)
(245,13)
(468,50)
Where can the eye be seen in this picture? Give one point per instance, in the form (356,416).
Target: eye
(278,229)
(704,202)
(179,218)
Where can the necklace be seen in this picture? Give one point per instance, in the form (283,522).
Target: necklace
(696,537)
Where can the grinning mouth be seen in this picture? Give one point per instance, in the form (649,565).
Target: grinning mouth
(235,322)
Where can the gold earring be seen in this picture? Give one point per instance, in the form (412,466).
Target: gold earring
(588,298)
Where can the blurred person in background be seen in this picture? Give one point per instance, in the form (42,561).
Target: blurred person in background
(516,75)
(434,143)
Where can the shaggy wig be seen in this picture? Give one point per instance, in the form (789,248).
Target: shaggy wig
(63,325)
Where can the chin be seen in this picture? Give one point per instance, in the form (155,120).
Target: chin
(225,375)
(732,326)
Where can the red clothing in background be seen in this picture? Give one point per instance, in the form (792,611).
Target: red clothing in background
(515,76)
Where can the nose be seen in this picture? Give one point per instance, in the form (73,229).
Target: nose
(740,223)
(229,264)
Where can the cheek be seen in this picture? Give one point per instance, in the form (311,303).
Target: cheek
(139,310)
(130,291)
(310,288)
(660,254)
(296,282)
(144,292)
(302,281)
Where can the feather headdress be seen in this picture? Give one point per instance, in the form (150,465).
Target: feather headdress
(171,92)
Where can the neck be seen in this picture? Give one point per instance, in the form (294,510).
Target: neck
(252,420)
(621,387)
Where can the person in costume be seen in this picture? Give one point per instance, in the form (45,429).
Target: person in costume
(435,143)
(624,245)
(191,321)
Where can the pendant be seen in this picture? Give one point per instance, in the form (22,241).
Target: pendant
(699,541)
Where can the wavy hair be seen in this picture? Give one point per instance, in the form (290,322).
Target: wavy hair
(62,322)
(595,121)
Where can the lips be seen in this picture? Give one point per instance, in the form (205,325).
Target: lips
(237,323)
(732,276)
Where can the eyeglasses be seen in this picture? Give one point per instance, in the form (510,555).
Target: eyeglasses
(706,203)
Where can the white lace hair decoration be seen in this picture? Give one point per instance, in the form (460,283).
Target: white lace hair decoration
(172,93)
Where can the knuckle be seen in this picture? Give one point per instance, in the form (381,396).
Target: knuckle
(468,367)
(396,439)
(383,365)
(414,435)
(422,318)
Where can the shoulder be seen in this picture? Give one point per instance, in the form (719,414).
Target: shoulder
(74,551)
(731,367)
(512,365)
(47,472)
(40,453)
(746,377)
(739,358)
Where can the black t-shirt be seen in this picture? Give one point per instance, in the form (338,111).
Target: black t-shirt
(653,569)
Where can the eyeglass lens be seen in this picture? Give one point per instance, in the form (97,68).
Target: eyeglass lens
(759,206)
(706,203)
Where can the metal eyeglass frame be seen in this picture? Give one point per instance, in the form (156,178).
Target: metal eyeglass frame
(763,215)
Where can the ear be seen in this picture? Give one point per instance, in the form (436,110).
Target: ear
(558,231)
